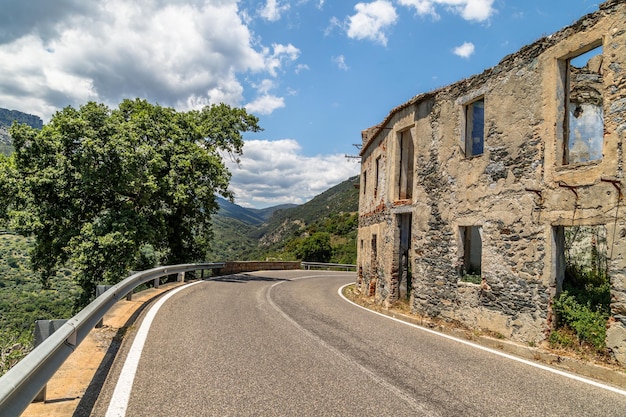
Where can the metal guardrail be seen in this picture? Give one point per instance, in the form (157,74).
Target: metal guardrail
(21,384)
(322,265)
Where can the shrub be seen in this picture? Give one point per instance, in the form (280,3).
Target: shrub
(315,248)
(12,262)
(588,323)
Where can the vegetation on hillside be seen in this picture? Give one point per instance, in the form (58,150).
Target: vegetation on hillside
(24,300)
(323,229)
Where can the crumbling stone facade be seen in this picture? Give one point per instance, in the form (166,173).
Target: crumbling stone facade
(482,176)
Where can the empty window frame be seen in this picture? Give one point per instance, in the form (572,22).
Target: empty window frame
(475,128)
(583,123)
(377,179)
(405,178)
(471,247)
(580,257)
(364,182)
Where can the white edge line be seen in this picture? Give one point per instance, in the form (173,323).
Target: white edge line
(121,394)
(486,349)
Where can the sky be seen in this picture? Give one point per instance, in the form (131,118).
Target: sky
(315,72)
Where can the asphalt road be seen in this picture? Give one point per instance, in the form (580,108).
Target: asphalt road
(284,343)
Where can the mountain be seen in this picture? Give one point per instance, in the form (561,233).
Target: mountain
(6,120)
(248,215)
(8,116)
(250,234)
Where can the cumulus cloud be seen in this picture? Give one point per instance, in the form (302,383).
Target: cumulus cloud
(371,21)
(265,104)
(478,10)
(464,51)
(177,53)
(276,172)
(280,55)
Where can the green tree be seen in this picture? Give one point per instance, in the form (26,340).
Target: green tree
(96,185)
(315,248)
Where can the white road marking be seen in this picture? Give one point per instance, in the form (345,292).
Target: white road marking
(495,352)
(121,395)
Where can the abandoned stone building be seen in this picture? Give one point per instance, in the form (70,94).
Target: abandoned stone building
(482,180)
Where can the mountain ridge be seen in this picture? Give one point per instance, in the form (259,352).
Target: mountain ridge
(7,117)
(246,214)
(238,235)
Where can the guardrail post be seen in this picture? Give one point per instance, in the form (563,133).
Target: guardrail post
(43,330)
(180,277)
(157,282)
(101,289)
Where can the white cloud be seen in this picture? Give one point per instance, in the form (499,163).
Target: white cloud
(265,104)
(273,10)
(340,61)
(113,49)
(276,172)
(301,67)
(371,21)
(281,54)
(464,51)
(478,10)
(422,7)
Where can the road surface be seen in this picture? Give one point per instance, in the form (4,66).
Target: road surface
(284,343)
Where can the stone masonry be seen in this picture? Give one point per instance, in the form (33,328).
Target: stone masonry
(482,176)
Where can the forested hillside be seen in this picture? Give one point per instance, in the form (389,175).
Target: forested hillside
(323,229)
(24,300)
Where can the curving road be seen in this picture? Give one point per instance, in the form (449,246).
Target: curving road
(284,343)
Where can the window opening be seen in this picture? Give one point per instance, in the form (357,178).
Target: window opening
(405,186)
(475,128)
(374,266)
(583,297)
(404,262)
(376,185)
(584,115)
(364,182)
(472,250)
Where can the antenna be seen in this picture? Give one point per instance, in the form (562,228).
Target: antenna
(354,157)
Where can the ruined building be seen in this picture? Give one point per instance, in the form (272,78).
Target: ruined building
(482,180)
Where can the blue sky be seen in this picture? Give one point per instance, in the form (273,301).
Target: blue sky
(316,72)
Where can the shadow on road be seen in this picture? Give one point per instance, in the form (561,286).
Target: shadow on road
(243,278)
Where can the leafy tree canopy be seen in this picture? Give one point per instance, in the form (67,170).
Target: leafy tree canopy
(98,188)
(315,248)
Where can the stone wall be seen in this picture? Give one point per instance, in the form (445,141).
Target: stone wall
(517,193)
